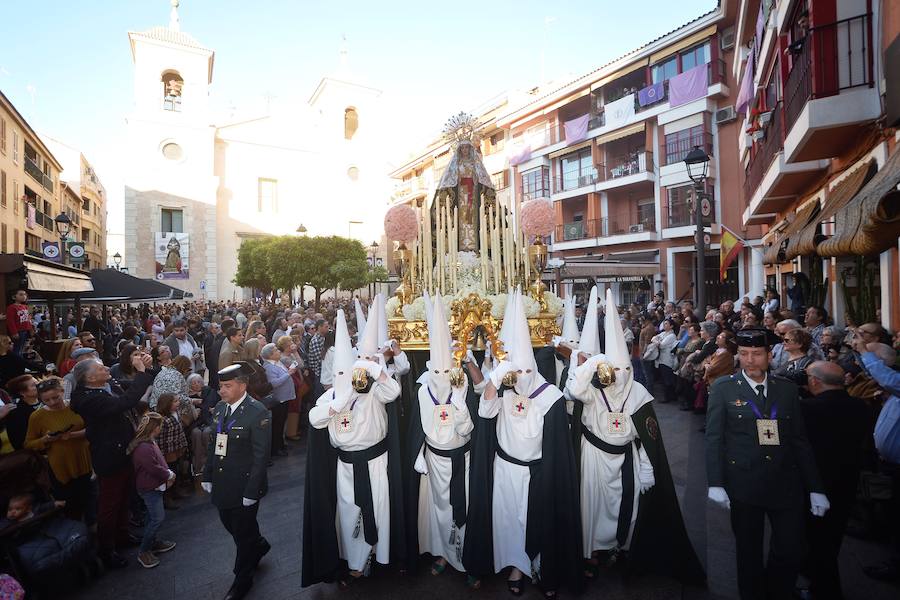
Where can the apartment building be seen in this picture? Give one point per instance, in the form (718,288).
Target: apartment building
(819,148)
(29,185)
(89,221)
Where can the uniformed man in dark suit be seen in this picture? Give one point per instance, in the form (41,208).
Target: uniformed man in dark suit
(235,472)
(760,464)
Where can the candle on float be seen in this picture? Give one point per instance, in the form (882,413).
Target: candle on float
(482,245)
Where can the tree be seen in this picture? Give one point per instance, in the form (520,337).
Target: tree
(323,254)
(252,271)
(351,273)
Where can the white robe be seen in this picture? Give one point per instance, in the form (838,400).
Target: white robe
(435,520)
(520,433)
(369,426)
(601,472)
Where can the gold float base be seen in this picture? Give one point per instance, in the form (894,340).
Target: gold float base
(413,335)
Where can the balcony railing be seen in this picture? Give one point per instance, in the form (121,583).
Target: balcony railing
(573,181)
(831,58)
(619,224)
(676,150)
(764,153)
(633,164)
(32,169)
(577,230)
(534,194)
(681,213)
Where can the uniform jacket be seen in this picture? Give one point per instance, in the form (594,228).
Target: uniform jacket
(241,473)
(773,477)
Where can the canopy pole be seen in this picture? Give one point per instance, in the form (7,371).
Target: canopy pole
(52,309)
(77,314)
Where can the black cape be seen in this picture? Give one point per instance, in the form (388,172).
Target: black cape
(660,543)
(561,563)
(415,440)
(321,561)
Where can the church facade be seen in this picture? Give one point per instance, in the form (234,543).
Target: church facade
(196,188)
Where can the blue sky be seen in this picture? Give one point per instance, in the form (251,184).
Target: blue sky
(66,64)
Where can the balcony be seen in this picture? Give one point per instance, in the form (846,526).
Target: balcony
(411,188)
(830,89)
(675,150)
(764,153)
(32,169)
(605,231)
(574,181)
(577,230)
(624,166)
(535,194)
(680,213)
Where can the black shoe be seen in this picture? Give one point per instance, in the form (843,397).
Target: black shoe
(264,547)
(113,560)
(236,592)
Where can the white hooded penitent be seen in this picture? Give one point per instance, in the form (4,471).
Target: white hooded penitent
(360,319)
(368,341)
(344,357)
(616,348)
(590,334)
(440,361)
(570,335)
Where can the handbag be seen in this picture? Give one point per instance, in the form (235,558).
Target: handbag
(651,352)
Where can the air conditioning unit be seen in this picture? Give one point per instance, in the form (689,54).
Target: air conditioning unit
(725,115)
(639,228)
(727,39)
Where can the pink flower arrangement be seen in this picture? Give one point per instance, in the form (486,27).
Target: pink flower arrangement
(537,218)
(401,224)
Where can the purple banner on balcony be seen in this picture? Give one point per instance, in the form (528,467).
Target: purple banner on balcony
(760,27)
(651,94)
(745,94)
(688,86)
(520,155)
(576,129)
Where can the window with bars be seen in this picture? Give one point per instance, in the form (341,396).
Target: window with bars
(536,183)
(679,143)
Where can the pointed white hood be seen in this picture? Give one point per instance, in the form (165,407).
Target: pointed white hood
(429,307)
(570,334)
(521,353)
(616,348)
(360,319)
(590,333)
(506,326)
(368,342)
(441,360)
(382,321)
(344,357)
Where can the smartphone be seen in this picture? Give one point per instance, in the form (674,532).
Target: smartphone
(147,344)
(295,364)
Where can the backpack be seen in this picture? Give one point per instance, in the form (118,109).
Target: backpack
(259,386)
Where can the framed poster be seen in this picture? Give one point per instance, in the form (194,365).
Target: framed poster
(172,255)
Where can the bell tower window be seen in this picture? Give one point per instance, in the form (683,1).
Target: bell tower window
(351,123)
(172,86)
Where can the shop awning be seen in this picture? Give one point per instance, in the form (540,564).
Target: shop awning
(639,64)
(110,286)
(45,278)
(804,243)
(620,133)
(575,270)
(776,253)
(870,223)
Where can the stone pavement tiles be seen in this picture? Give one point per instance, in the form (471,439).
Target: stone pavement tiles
(200,567)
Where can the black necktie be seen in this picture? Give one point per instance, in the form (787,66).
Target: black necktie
(227,412)
(761,397)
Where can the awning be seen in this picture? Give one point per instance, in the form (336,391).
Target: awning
(683,44)
(44,278)
(804,243)
(570,149)
(621,133)
(776,253)
(572,270)
(110,286)
(640,64)
(870,223)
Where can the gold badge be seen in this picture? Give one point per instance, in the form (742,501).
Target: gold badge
(767,430)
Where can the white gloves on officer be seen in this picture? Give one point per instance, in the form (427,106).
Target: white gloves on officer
(818,504)
(500,371)
(207,486)
(719,496)
(248,501)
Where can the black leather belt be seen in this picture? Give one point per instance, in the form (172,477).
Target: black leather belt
(362,485)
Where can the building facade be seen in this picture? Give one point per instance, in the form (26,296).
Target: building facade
(29,185)
(819,153)
(198,188)
(607,149)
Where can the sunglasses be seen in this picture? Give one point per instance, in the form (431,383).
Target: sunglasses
(48,384)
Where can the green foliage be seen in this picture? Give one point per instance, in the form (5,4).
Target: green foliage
(378,274)
(288,262)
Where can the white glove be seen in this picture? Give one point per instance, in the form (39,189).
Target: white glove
(207,486)
(500,371)
(556,340)
(470,358)
(248,501)
(458,397)
(374,369)
(172,476)
(819,504)
(645,471)
(421,466)
(719,496)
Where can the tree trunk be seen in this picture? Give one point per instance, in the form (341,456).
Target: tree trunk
(318,297)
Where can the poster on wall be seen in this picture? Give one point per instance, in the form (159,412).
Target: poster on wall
(172,255)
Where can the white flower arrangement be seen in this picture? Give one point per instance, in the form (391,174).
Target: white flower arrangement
(554,304)
(414,311)
(498,305)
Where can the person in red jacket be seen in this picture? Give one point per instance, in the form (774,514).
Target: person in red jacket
(151,478)
(18,321)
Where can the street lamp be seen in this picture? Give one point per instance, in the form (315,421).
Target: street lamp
(373,251)
(63,226)
(697,164)
(117,259)
(301,230)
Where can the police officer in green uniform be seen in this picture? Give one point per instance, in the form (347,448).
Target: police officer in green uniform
(235,472)
(760,465)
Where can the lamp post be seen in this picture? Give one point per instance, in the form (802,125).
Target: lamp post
(63,226)
(301,230)
(697,164)
(373,251)
(117,259)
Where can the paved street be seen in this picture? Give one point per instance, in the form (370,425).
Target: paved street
(200,567)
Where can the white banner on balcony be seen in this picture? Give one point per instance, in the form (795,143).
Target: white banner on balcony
(618,113)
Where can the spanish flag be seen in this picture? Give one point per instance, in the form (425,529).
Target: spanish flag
(730,247)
